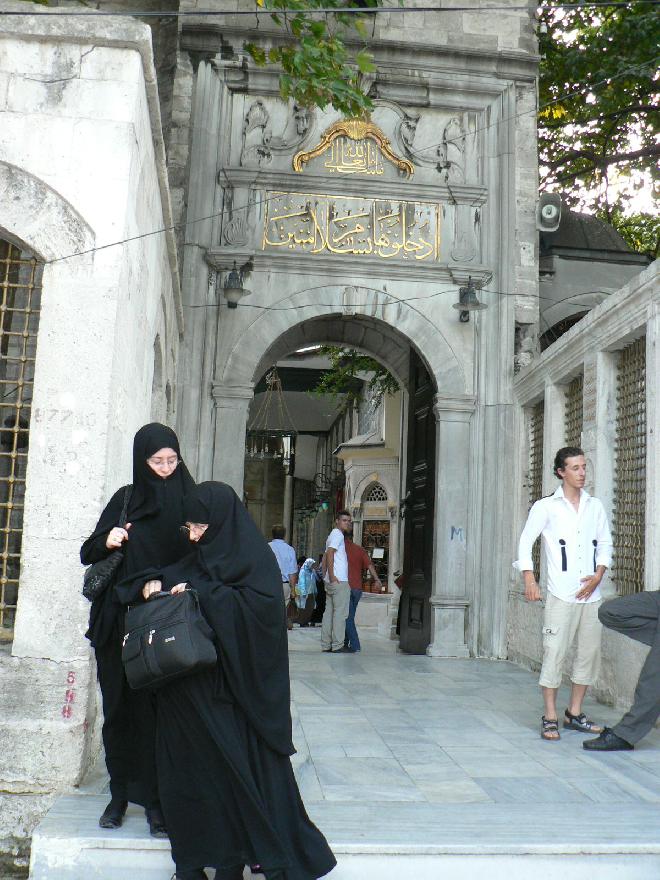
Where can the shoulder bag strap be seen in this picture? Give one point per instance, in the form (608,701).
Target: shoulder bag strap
(124,511)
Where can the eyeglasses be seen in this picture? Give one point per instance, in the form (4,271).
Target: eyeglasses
(164,462)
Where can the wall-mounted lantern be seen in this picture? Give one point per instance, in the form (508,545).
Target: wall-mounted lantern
(468,302)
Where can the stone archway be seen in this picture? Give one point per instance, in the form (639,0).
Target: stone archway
(388,329)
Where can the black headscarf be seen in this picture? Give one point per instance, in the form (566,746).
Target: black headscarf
(155,513)
(240,589)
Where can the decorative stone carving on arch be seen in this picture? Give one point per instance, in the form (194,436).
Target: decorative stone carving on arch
(38,217)
(385,328)
(385,476)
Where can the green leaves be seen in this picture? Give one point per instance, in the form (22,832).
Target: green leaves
(597,141)
(317,67)
(343,377)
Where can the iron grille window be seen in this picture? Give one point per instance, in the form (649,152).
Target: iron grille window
(20,302)
(536,424)
(376,493)
(630,470)
(573,412)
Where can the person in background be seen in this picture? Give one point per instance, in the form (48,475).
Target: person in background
(305,592)
(287,562)
(359,561)
(317,615)
(337,591)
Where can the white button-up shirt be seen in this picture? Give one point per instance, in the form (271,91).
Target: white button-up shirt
(575,542)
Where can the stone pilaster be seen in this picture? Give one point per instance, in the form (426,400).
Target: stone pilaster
(231,404)
(652,574)
(450,601)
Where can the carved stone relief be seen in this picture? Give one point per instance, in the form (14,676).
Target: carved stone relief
(239,204)
(525,345)
(258,141)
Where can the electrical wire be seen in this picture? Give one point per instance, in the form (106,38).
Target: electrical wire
(364,11)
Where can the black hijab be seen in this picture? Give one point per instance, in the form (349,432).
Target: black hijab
(155,512)
(240,589)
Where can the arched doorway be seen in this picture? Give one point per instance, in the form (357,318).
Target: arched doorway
(429,373)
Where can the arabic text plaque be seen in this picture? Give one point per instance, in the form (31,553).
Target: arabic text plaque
(381,228)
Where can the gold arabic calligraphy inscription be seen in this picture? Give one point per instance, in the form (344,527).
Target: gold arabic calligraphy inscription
(366,152)
(385,228)
(354,157)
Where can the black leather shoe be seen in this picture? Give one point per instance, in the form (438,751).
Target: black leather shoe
(608,741)
(156,820)
(193,874)
(113,815)
(344,650)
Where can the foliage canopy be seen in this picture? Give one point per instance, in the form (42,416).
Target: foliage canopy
(601,142)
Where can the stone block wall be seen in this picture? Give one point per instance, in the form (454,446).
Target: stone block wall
(592,348)
(82,167)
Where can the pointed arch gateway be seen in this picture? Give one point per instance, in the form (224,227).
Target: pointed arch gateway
(413,348)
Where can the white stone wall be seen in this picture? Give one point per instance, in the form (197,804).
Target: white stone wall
(591,347)
(81,166)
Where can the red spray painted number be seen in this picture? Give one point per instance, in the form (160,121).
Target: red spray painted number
(69,695)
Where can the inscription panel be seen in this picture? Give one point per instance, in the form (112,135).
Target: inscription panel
(381,228)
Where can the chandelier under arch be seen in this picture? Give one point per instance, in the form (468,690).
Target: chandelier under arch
(271,434)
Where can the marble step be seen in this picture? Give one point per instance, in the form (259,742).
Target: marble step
(387,841)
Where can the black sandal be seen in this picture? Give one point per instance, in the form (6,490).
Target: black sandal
(549,726)
(581,722)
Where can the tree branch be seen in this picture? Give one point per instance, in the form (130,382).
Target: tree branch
(603,161)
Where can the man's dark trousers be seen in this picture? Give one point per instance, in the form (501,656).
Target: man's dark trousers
(638,616)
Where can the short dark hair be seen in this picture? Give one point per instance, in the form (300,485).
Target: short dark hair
(342,513)
(278,531)
(561,456)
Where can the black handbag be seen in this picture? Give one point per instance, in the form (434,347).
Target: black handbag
(166,638)
(100,575)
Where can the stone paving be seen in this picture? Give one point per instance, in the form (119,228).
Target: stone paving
(416,769)
(382,726)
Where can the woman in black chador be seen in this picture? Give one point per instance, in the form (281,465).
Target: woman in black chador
(224,735)
(152,537)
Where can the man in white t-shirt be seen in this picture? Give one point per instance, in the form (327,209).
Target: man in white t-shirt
(578,549)
(337,590)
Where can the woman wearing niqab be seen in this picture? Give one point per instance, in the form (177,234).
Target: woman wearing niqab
(152,537)
(224,735)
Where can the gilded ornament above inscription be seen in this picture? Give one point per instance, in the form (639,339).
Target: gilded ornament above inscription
(384,228)
(356,146)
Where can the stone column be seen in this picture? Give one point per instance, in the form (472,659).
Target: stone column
(231,404)
(554,406)
(450,600)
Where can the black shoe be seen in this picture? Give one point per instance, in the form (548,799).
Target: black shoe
(156,821)
(608,741)
(113,815)
(344,650)
(191,874)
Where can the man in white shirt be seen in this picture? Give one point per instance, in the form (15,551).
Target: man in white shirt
(337,590)
(578,549)
(286,559)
